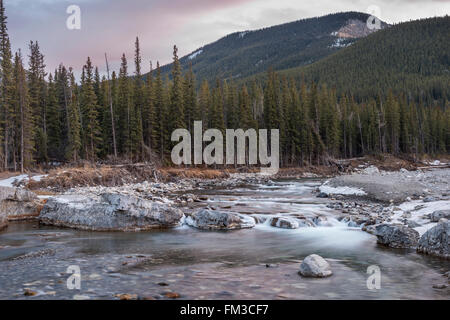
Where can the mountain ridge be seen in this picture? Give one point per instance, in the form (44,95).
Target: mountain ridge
(245,53)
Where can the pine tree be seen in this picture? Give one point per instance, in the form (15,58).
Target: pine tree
(176,109)
(190,99)
(160,129)
(124,110)
(149,114)
(6,87)
(74,135)
(25,120)
(136,129)
(92,133)
(38,95)
(54,119)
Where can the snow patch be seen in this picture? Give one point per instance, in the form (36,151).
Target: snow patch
(341,190)
(9,182)
(195,54)
(340,43)
(419,211)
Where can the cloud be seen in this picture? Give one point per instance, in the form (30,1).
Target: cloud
(112,25)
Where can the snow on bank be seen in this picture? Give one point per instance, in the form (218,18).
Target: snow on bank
(9,182)
(347,191)
(419,212)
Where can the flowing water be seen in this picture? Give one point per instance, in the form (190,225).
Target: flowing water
(258,263)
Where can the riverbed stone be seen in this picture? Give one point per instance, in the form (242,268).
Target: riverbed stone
(18,204)
(436,241)
(440,214)
(284,223)
(109,212)
(314,266)
(207,219)
(397,236)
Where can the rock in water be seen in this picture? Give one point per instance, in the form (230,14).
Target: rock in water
(3,220)
(397,236)
(436,241)
(284,223)
(18,204)
(218,220)
(315,266)
(438,215)
(109,212)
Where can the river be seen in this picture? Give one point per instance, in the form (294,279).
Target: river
(258,263)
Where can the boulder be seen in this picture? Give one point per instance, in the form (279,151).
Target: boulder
(109,212)
(284,223)
(207,219)
(19,204)
(315,266)
(436,241)
(438,215)
(397,236)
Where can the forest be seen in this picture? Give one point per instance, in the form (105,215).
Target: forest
(49,119)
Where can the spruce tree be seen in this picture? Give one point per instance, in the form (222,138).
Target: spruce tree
(89,107)
(6,87)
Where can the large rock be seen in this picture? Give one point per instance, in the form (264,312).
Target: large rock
(397,236)
(109,212)
(438,215)
(219,220)
(315,266)
(18,204)
(436,241)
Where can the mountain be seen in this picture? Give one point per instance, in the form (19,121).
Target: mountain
(411,57)
(294,44)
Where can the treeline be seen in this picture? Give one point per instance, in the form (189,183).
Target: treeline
(51,118)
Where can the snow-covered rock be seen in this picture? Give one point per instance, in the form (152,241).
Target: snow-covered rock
(207,219)
(109,212)
(284,223)
(315,266)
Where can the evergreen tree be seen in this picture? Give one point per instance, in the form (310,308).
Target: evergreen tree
(74,133)
(92,133)
(176,109)
(6,88)
(24,126)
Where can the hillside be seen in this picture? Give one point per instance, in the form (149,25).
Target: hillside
(298,43)
(412,57)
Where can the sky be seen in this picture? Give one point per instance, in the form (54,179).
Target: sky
(112,25)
